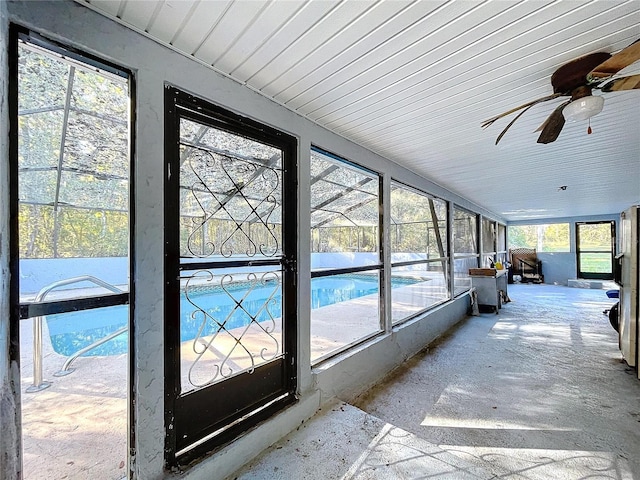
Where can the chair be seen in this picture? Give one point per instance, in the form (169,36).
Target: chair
(524,262)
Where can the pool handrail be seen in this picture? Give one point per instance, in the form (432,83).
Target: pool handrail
(38,382)
(65,370)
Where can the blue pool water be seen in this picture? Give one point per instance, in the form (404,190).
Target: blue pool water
(72,331)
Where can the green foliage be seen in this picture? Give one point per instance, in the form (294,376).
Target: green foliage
(228,237)
(523,236)
(544,238)
(35,231)
(71,232)
(82,167)
(464,232)
(413,228)
(595,262)
(344,239)
(595,236)
(555,238)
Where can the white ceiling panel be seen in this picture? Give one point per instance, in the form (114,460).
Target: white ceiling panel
(109,7)
(170,19)
(448,75)
(261,31)
(383,59)
(284,36)
(459,87)
(343,40)
(413,81)
(196,27)
(138,13)
(426,59)
(371,35)
(335,21)
(232,25)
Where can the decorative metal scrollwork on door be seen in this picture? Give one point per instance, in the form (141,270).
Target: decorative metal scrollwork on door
(236,323)
(232,202)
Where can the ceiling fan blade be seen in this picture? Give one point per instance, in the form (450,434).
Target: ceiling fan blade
(623,83)
(511,123)
(552,126)
(617,62)
(550,117)
(490,121)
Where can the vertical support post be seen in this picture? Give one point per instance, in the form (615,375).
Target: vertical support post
(10,413)
(436,223)
(38,384)
(384,236)
(450,233)
(63,139)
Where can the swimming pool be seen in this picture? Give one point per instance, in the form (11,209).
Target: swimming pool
(69,332)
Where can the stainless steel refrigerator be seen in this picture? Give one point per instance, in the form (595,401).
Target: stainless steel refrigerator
(628,277)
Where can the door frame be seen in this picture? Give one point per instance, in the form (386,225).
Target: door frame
(590,275)
(200,421)
(22,311)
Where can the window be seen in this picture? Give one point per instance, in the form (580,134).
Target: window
(419,253)
(488,239)
(345,254)
(544,238)
(72,203)
(502,244)
(465,248)
(595,249)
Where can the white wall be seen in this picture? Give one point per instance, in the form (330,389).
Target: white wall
(36,273)
(153,66)
(349,376)
(558,267)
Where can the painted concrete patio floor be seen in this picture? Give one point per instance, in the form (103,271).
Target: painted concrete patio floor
(538,392)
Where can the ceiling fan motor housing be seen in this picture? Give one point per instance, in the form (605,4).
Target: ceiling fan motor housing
(574,74)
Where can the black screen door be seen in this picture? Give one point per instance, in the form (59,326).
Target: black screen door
(595,249)
(230,312)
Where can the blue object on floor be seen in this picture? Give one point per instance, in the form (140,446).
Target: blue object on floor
(613,293)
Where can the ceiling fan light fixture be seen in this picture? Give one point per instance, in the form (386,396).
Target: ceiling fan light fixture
(583,108)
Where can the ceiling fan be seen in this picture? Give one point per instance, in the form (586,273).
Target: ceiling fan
(577,79)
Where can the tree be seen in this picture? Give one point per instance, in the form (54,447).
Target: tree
(73,160)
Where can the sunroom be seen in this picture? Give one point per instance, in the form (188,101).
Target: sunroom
(220,216)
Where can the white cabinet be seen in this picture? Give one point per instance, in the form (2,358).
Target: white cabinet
(490,285)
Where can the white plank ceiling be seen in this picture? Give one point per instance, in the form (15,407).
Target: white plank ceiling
(413,80)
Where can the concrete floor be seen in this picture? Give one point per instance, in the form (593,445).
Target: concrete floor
(539,391)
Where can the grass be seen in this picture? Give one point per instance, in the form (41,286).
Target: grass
(595,262)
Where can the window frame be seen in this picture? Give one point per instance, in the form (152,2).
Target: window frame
(444,260)
(612,251)
(502,250)
(464,255)
(493,251)
(23,310)
(378,267)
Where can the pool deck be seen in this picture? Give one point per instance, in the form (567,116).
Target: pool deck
(76,427)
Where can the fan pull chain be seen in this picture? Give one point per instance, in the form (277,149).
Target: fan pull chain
(589,131)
